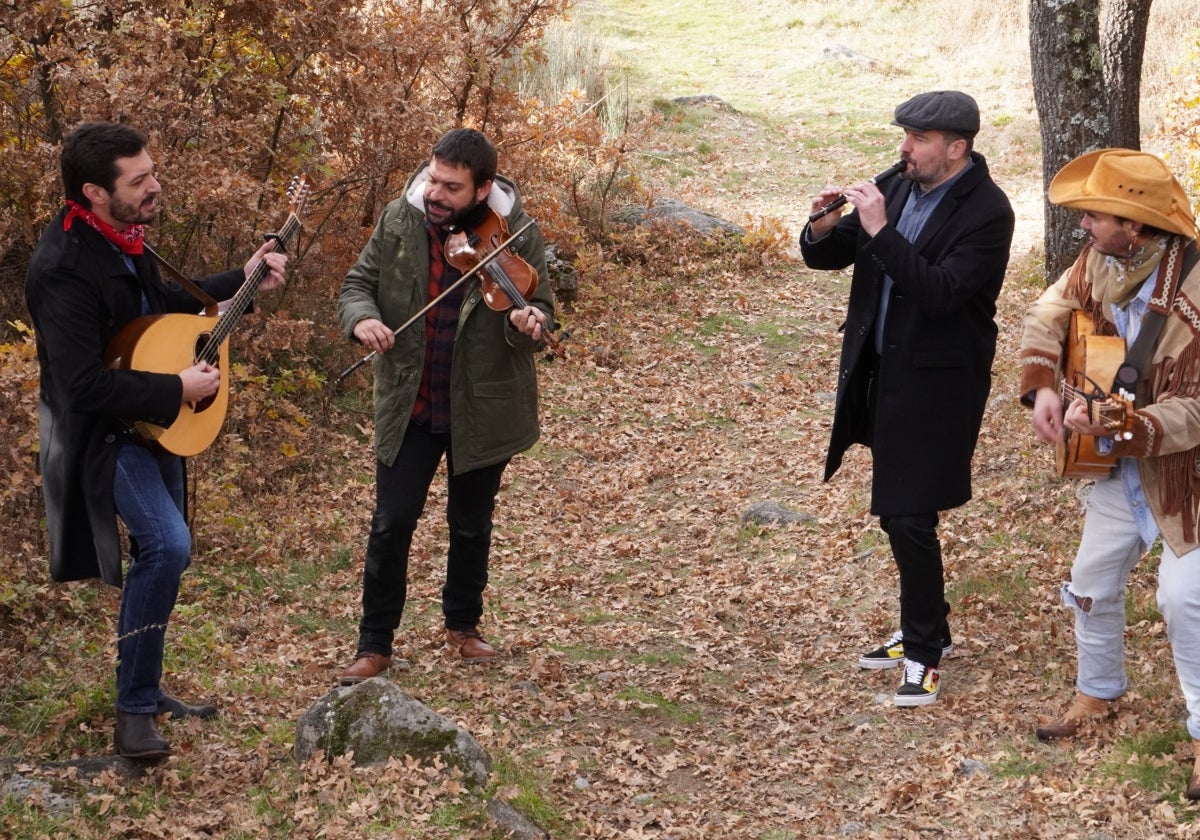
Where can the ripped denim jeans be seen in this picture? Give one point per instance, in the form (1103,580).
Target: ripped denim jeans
(1109,549)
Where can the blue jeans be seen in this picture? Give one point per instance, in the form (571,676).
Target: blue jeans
(1109,549)
(148,489)
(400,493)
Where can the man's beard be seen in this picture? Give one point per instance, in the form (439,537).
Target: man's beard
(455,218)
(924,179)
(128,214)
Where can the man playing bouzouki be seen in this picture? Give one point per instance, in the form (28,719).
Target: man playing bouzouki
(1136,278)
(90,276)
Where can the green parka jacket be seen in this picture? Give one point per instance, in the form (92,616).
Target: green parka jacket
(493,381)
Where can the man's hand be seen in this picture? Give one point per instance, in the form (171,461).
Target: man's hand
(528,320)
(374,334)
(868,200)
(200,382)
(821,227)
(1048,415)
(276,265)
(1078,421)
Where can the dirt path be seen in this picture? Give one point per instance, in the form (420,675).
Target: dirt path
(747,717)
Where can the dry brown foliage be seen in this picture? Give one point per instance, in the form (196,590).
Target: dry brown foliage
(238,97)
(670,672)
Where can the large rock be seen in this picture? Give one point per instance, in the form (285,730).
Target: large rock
(563,278)
(376,720)
(676,214)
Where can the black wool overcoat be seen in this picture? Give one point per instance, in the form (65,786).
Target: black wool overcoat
(939,340)
(80,293)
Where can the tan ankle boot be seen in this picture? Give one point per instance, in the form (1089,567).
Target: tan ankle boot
(1193,788)
(1083,709)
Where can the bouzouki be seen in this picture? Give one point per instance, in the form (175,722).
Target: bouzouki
(1091,366)
(170,343)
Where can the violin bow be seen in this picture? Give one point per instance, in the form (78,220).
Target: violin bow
(421,312)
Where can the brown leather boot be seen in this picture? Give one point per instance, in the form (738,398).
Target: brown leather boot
(137,737)
(1084,709)
(470,646)
(1193,788)
(365,666)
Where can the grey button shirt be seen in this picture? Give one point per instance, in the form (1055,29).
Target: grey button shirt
(916,213)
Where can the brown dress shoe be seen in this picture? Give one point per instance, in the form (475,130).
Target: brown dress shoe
(137,738)
(366,665)
(470,646)
(1193,788)
(1084,709)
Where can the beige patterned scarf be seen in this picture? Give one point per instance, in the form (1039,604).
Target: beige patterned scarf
(1121,277)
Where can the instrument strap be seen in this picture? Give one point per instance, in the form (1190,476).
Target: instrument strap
(1138,356)
(211,307)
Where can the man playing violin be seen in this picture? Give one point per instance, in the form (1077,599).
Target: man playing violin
(461,384)
(929,252)
(1138,277)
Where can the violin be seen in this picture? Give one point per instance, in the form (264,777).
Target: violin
(482,263)
(506,279)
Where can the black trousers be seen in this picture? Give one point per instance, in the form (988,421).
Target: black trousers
(400,494)
(924,611)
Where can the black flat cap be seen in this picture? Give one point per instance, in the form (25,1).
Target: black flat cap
(939,110)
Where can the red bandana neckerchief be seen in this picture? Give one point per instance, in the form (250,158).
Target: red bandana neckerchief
(128,240)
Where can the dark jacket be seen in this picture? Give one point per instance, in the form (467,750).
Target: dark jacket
(493,380)
(938,344)
(80,293)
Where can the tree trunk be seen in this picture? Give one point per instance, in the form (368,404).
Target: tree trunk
(1123,42)
(1072,104)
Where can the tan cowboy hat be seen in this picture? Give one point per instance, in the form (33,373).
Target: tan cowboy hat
(1122,182)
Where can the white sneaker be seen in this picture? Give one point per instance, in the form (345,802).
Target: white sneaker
(890,654)
(920,686)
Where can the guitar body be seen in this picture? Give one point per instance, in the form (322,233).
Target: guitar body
(172,343)
(1091,359)
(169,344)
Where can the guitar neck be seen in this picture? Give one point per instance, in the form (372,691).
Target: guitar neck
(245,295)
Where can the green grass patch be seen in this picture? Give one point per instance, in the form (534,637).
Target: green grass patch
(653,702)
(20,818)
(1005,588)
(1141,607)
(675,657)
(581,653)
(1014,765)
(779,333)
(524,790)
(1149,761)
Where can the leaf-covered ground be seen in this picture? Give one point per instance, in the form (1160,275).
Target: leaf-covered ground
(670,671)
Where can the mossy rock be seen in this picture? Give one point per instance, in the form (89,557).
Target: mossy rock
(376,720)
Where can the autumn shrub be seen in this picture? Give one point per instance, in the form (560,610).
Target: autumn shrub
(18,436)
(1181,126)
(238,97)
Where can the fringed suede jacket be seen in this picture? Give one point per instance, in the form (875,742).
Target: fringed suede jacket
(1166,428)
